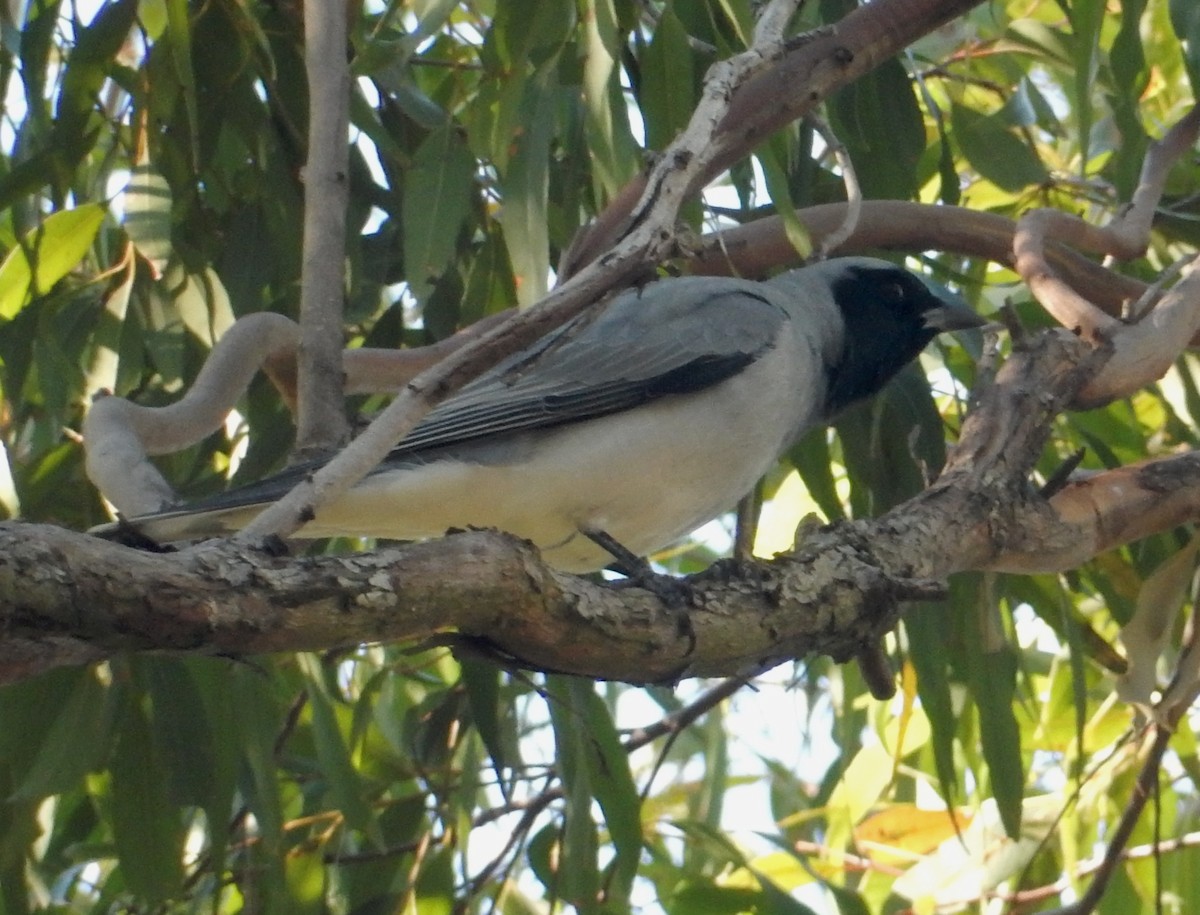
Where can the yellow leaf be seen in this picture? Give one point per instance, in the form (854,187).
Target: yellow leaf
(782,868)
(57,245)
(903,832)
(781,515)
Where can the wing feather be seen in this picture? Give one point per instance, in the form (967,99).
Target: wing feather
(675,337)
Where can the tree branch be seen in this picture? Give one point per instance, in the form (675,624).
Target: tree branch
(321,425)
(1126,237)
(838,592)
(1103,511)
(756,248)
(790,80)
(66,598)
(119,434)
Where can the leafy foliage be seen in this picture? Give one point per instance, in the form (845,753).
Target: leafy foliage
(151,187)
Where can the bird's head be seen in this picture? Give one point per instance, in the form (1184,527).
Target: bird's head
(888,314)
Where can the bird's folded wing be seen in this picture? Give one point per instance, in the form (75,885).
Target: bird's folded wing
(677,337)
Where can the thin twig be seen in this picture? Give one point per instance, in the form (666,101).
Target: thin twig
(854,198)
(774,19)
(679,720)
(530,814)
(1148,299)
(1142,791)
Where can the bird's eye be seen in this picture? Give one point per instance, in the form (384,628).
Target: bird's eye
(894,292)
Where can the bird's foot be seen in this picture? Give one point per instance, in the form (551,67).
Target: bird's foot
(675,593)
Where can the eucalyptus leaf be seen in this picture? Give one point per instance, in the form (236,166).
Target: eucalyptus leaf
(46,255)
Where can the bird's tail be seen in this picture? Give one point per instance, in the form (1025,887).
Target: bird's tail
(181,524)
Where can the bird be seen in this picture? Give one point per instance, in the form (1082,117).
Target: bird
(639,421)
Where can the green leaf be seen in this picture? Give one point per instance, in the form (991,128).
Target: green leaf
(147,828)
(179,34)
(1048,43)
(29,176)
(152,16)
(199,773)
(1181,871)
(343,779)
(305,874)
(667,88)
(740,18)
(209,678)
(878,120)
(56,247)
(891,443)
(529,33)
(992,681)
(950,192)
(994,151)
(482,683)
(147,218)
(612,782)
(1185,18)
(88,66)
(258,723)
(489,282)
(698,896)
(77,742)
(776,901)
(928,650)
(525,188)
(812,459)
(1130,77)
(437,195)
(1086,16)
(578,875)
(771,157)
(104,364)
(613,150)
(37,43)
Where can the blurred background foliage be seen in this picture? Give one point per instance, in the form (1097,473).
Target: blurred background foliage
(151,154)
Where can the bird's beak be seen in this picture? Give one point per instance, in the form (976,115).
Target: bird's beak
(953,314)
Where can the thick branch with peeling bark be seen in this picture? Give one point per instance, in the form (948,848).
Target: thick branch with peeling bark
(68,598)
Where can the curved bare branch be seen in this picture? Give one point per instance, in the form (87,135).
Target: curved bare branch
(1125,237)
